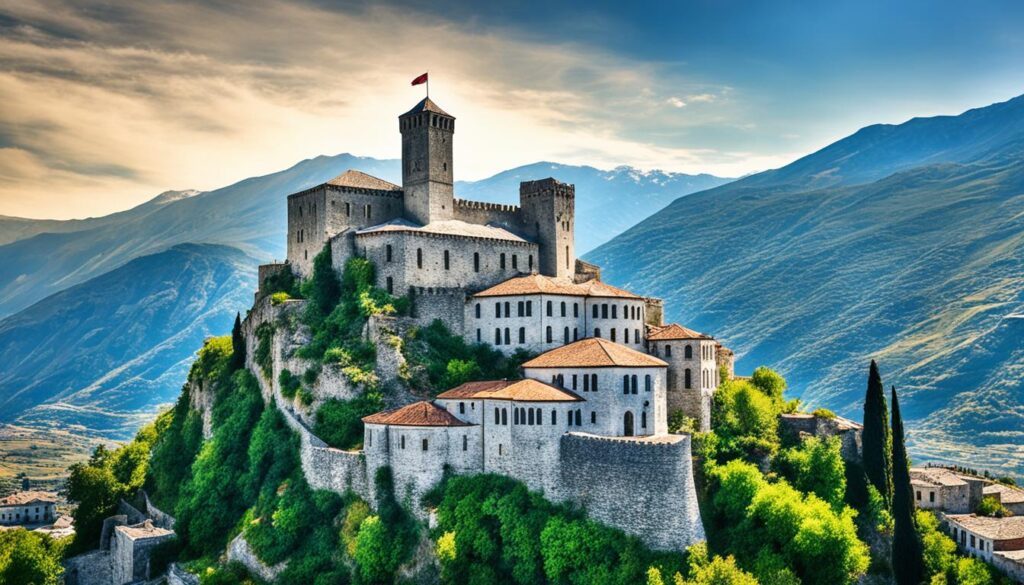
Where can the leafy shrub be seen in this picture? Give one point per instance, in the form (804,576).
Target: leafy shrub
(678,422)
(264,345)
(746,421)
(991,506)
(824,413)
(438,360)
(386,540)
(170,464)
(290,385)
(282,281)
(30,557)
(279,298)
(339,422)
(357,512)
(815,466)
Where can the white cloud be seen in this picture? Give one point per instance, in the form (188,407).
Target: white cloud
(675,102)
(138,98)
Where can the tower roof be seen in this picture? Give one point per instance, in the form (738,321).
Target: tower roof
(417,414)
(673,331)
(526,390)
(427,105)
(361,180)
(594,352)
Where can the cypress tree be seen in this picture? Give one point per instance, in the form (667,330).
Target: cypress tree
(907,550)
(237,344)
(876,440)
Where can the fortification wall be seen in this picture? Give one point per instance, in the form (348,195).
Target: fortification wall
(446,304)
(176,575)
(644,488)
(239,551)
(306,229)
(481,213)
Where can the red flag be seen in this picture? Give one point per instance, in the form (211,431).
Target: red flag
(420,80)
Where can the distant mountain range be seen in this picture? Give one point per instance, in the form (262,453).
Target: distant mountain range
(103,314)
(903,243)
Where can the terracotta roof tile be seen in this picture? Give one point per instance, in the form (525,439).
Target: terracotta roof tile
(22,498)
(594,352)
(1010,528)
(533,284)
(417,414)
(360,180)
(527,390)
(1007,494)
(673,331)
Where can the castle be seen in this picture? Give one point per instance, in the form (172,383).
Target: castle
(588,423)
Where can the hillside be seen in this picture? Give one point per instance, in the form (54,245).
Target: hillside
(99,357)
(915,260)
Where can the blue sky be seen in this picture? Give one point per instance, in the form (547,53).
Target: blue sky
(110,103)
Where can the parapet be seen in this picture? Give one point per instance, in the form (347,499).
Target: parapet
(484,206)
(549,186)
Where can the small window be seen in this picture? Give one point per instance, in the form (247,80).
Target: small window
(522,335)
(515,262)
(643,420)
(465,443)
(497,337)
(368,212)
(547,335)
(931,497)
(497,310)
(502,263)
(597,332)
(615,311)
(595,311)
(687,379)
(390,285)
(388,253)
(529,308)
(554,417)
(563,308)
(348,209)
(565,335)
(447,262)
(613,334)
(586,383)
(625,384)
(476,261)
(497,415)
(668,351)
(499,448)
(549,311)
(515,416)
(593,382)
(579,418)
(574,379)
(424,444)
(918,495)
(593,417)
(530,260)
(530,417)
(604,310)
(508,338)
(477,309)
(504,416)
(403,441)
(478,338)
(647,383)
(575,334)
(462,408)
(419,257)
(576,310)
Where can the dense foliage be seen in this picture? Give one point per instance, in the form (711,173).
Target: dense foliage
(745,417)
(438,360)
(339,422)
(907,551)
(492,529)
(30,558)
(815,467)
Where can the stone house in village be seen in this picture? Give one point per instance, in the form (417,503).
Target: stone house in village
(28,507)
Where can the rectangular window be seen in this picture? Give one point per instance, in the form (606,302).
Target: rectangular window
(515,262)
(465,443)
(389,253)
(931,497)
(424,444)
(574,381)
(367,211)
(462,408)
(502,264)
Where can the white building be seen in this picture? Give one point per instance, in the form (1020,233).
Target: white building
(28,508)
(537,313)
(693,378)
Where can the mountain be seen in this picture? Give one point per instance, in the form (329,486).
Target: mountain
(608,202)
(102,355)
(901,243)
(50,256)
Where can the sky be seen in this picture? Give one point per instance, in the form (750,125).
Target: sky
(105,104)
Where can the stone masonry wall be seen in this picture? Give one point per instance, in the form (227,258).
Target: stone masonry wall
(643,488)
(239,551)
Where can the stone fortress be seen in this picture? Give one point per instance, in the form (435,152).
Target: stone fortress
(588,423)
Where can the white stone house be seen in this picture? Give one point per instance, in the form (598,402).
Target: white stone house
(938,488)
(692,359)
(537,313)
(981,536)
(31,507)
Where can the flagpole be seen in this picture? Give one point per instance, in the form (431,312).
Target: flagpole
(428,82)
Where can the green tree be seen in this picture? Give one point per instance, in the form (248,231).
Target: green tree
(907,549)
(323,289)
(816,466)
(237,344)
(28,558)
(991,506)
(876,439)
(769,382)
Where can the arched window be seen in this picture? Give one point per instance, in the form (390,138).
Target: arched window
(447,262)
(563,308)
(497,310)
(597,332)
(504,416)
(497,415)
(569,417)
(615,311)
(529,308)
(521,309)
(508,338)
(522,335)
(643,420)
(508,309)
(625,384)
(547,335)
(625,335)
(419,257)
(613,334)
(579,417)
(595,312)
(627,424)
(530,416)
(515,262)
(554,416)
(477,309)
(633,385)
(497,336)
(593,417)
(565,335)
(647,383)
(575,334)
(586,383)
(688,351)
(593,382)
(668,351)
(530,259)
(515,416)
(604,310)
(390,285)
(502,261)
(476,261)
(549,308)
(388,252)
(687,379)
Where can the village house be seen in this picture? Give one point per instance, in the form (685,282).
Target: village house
(30,507)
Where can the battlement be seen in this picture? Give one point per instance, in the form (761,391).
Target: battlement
(549,186)
(423,291)
(654,441)
(485,206)
(396,194)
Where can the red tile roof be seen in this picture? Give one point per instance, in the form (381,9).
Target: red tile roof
(361,180)
(22,498)
(673,331)
(527,390)
(417,414)
(533,284)
(594,352)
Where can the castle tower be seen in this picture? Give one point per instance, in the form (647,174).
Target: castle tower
(549,217)
(427,132)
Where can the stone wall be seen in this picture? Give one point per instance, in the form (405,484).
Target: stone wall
(792,425)
(1011,563)
(481,213)
(176,575)
(446,304)
(239,551)
(644,488)
(92,568)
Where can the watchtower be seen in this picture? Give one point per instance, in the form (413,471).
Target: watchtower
(549,217)
(427,132)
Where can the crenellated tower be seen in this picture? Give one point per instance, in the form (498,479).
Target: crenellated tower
(427,132)
(549,217)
